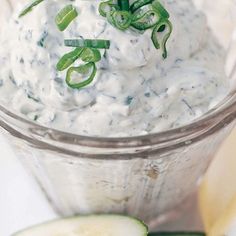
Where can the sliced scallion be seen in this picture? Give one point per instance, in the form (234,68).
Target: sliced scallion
(160,9)
(91,55)
(123,4)
(139,3)
(68,59)
(30,7)
(65,16)
(85,75)
(145,18)
(105,7)
(120,19)
(160,35)
(88,43)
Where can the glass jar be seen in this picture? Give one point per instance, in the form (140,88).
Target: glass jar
(146,176)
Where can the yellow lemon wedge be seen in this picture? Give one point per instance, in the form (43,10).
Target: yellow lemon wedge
(226,224)
(218,189)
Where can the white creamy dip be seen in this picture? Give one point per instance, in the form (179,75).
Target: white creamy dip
(135,91)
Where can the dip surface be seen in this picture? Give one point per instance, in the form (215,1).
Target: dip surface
(135,91)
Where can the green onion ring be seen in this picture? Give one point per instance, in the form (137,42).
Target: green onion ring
(160,35)
(91,55)
(82,70)
(139,3)
(65,16)
(88,43)
(119,19)
(30,7)
(68,59)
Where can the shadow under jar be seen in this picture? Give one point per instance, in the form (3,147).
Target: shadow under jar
(144,176)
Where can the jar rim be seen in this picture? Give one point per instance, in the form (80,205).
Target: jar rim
(215,119)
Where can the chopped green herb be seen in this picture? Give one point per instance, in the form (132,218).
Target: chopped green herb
(148,95)
(129,100)
(36,117)
(32,98)
(42,39)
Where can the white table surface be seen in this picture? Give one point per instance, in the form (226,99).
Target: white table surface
(22,204)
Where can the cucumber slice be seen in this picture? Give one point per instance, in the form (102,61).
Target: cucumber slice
(177,234)
(93,225)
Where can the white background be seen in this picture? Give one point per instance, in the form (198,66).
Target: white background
(22,204)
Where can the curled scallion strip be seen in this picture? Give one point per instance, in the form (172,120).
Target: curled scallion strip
(148,14)
(91,55)
(30,7)
(160,35)
(65,16)
(145,18)
(68,59)
(160,9)
(87,51)
(106,7)
(88,43)
(85,75)
(120,19)
(139,3)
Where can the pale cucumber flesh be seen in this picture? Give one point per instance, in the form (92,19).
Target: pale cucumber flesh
(93,225)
